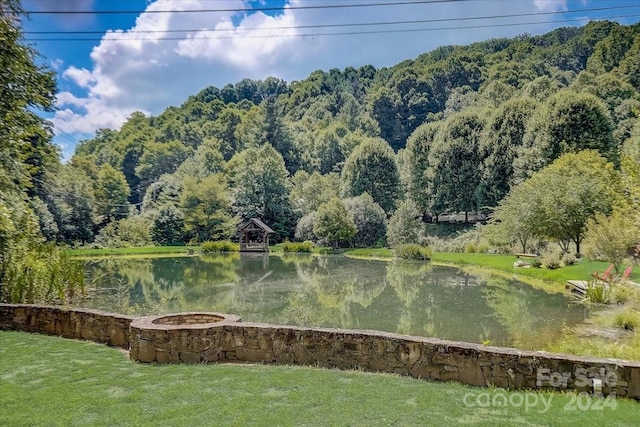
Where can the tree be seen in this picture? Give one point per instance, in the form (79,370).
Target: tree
(516,219)
(112,193)
(567,123)
(168,227)
(207,209)
(304,228)
(405,225)
(74,205)
(25,88)
(308,192)
(369,219)
(160,158)
(455,164)
(500,144)
(259,185)
(612,237)
(334,222)
(372,168)
(558,201)
(206,161)
(417,152)
(30,271)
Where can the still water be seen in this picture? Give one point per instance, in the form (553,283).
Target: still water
(407,297)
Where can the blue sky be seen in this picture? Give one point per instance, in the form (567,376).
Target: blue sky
(111,72)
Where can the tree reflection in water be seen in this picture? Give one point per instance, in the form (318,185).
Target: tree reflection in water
(407,297)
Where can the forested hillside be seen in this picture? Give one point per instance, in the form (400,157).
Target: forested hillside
(453,130)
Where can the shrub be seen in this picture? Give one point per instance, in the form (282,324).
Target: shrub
(628,319)
(569,259)
(536,263)
(551,260)
(483,248)
(220,246)
(412,251)
(470,248)
(598,293)
(297,247)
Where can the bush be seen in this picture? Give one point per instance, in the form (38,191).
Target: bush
(569,259)
(628,319)
(551,260)
(536,263)
(412,251)
(297,247)
(220,246)
(598,293)
(483,248)
(470,248)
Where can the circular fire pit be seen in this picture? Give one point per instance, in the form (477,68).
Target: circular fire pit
(180,337)
(188,319)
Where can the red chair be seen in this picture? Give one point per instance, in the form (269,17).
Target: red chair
(605,277)
(626,273)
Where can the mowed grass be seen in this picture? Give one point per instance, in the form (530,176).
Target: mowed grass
(579,271)
(58,382)
(147,250)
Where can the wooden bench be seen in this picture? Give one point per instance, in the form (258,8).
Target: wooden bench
(526,256)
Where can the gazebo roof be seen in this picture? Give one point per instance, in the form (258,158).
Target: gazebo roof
(257,223)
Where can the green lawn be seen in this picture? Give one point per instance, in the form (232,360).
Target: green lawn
(148,250)
(579,271)
(53,381)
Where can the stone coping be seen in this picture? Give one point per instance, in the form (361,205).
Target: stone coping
(184,321)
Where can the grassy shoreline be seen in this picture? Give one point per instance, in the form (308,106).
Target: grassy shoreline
(474,261)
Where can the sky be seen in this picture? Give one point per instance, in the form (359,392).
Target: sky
(153,54)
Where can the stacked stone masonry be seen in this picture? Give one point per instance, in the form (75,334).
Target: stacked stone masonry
(218,338)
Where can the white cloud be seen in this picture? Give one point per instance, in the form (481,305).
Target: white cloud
(552,5)
(82,77)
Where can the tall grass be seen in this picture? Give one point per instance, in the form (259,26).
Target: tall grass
(412,251)
(304,247)
(40,274)
(220,246)
(598,293)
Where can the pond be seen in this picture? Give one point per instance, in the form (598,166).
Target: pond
(406,297)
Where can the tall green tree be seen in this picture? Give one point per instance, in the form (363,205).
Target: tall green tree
(455,164)
(558,201)
(309,191)
(259,185)
(417,152)
(207,210)
(405,225)
(369,219)
(334,222)
(111,194)
(567,123)
(500,143)
(372,168)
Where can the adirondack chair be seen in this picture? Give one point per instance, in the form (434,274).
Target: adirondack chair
(606,275)
(626,273)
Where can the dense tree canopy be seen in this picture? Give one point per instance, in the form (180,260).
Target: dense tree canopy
(454,130)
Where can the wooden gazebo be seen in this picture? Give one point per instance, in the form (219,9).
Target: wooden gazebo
(254,236)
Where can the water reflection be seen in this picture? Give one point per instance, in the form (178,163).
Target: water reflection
(334,291)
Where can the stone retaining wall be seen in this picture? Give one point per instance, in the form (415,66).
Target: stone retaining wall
(213,337)
(84,324)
